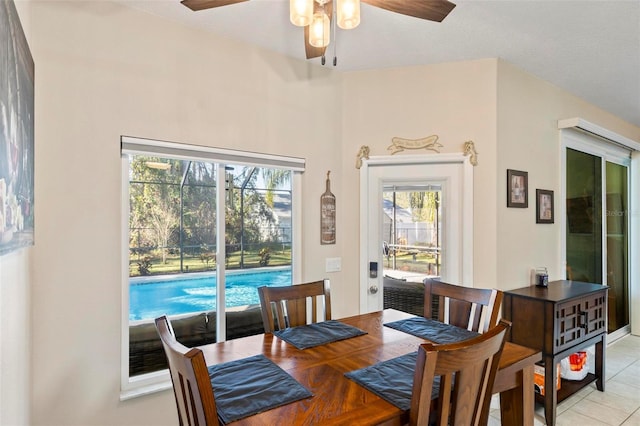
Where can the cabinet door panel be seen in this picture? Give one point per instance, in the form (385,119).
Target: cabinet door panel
(595,313)
(568,324)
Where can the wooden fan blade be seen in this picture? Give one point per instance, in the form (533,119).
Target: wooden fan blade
(311,51)
(196,5)
(432,10)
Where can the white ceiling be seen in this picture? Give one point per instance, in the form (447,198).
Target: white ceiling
(589,48)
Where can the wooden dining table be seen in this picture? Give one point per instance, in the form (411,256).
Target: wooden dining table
(338,400)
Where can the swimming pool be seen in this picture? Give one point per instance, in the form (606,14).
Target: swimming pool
(150,297)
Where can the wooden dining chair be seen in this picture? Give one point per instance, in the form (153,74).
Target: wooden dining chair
(467,371)
(190,377)
(284,307)
(475,309)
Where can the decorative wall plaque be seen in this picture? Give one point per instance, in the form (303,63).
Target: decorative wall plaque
(400,144)
(363,152)
(470,150)
(328,215)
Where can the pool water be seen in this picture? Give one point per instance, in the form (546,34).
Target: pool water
(149,298)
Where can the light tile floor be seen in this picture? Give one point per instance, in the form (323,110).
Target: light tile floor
(618,405)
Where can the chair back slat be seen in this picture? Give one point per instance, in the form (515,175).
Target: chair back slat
(474,309)
(190,378)
(289,306)
(281,313)
(467,371)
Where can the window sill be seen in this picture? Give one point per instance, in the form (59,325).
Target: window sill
(145,384)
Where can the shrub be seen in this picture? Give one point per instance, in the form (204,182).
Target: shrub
(265,255)
(144,265)
(206,255)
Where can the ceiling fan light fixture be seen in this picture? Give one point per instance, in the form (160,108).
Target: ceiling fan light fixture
(301,12)
(317,16)
(348,14)
(320,30)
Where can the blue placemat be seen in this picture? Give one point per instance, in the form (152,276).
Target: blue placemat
(392,380)
(252,385)
(434,331)
(308,336)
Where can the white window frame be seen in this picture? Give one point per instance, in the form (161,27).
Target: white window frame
(144,384)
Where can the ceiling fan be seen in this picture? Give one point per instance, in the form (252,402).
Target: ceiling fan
(316,16)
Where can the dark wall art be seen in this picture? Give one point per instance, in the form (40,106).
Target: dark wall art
(16,133)
(544,206)
(517,188)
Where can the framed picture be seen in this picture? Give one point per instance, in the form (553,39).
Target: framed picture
(517,189)
(16,133)
(544,206)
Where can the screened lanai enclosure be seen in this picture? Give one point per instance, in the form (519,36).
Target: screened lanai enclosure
(412,230)
(179,211)
(173,215)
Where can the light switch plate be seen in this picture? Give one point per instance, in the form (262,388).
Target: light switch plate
(333,264)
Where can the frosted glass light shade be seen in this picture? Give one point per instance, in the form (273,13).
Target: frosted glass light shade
(300,12)
(319,31)
(348,14)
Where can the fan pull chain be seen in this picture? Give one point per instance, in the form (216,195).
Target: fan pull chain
(335,39)
(324,60)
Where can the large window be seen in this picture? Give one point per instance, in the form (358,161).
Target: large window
(203,232)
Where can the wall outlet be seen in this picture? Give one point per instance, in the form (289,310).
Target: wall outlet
(333,264)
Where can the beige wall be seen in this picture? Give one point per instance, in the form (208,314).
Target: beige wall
(15,330)
(457,102)
(103,71)
(15,337)
(528,140)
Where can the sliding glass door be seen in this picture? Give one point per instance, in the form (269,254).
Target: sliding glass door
(584,221)
(597,248)
(617,245)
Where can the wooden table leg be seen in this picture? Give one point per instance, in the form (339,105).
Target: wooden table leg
(517,404)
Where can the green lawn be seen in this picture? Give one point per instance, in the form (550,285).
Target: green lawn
(195,264)
(423,263)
